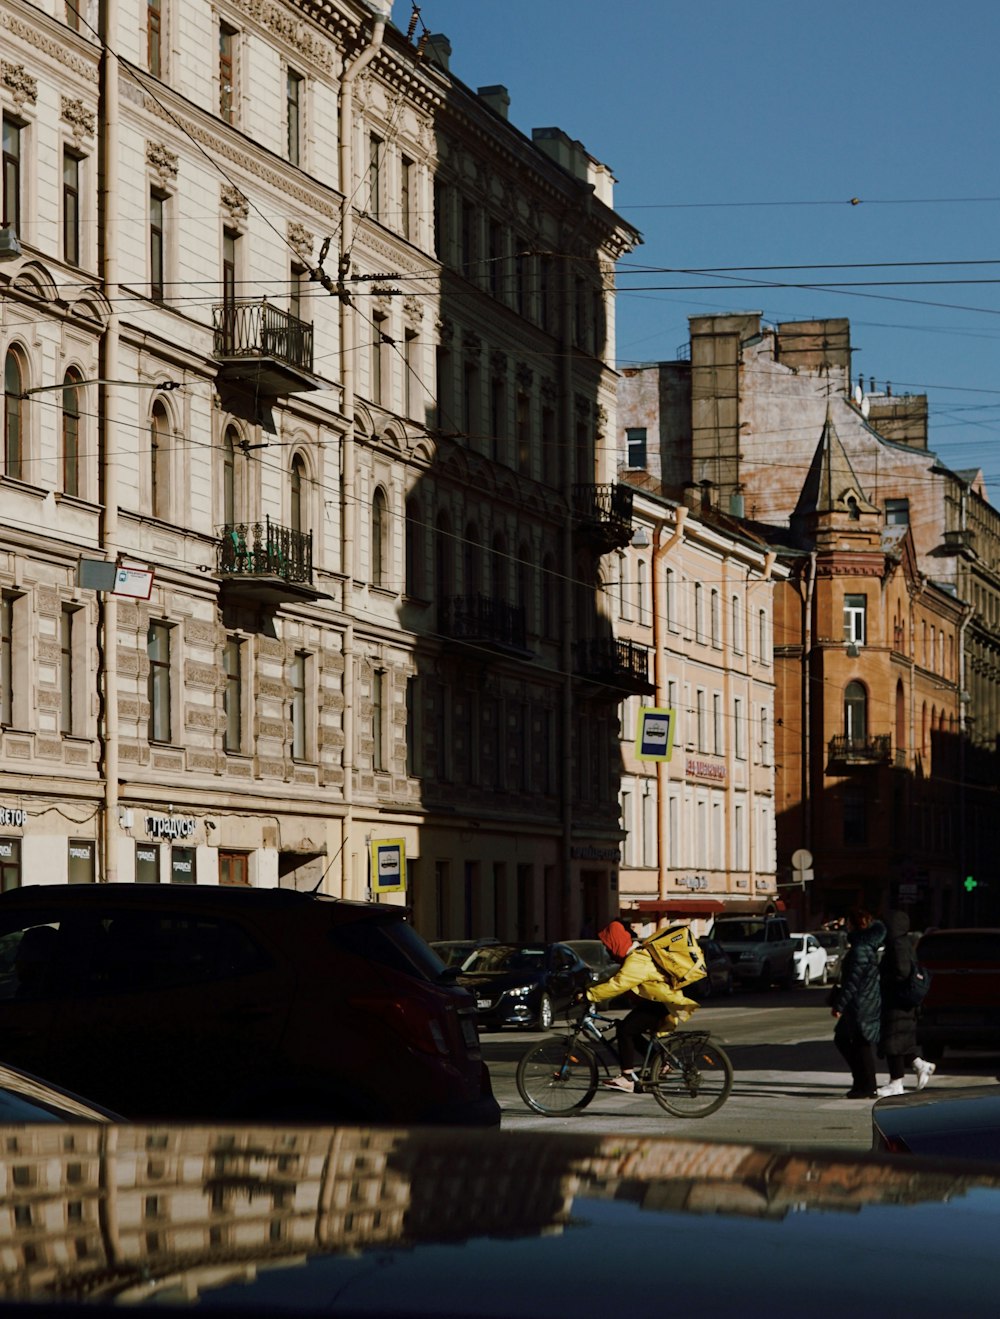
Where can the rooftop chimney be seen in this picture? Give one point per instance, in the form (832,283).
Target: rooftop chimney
(497,98)
(439,50)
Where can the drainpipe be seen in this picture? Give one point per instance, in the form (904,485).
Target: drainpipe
(660,682)
(807,708)
(348,346)
(108,426)
(769,560)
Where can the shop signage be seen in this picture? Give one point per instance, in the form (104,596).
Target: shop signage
(12,817)
(693,881)
(590,853)
(705,769)
(170,826)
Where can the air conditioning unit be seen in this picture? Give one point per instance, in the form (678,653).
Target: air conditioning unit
(10,248)
(853,650)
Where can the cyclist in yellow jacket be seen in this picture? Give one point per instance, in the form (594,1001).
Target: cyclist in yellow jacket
(658,1005)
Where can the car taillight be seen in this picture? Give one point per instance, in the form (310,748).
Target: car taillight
(409,1019)
(895,1145)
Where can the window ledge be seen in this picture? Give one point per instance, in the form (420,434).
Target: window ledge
(17,484)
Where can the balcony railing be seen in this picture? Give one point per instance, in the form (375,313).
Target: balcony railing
(249,550)
(604,513)
(615,661)
(875,750)
(483,618)
(259,341)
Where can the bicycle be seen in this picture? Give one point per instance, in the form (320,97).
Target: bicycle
(686,1072)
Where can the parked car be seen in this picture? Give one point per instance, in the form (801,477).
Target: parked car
(809,959)
(224,1003)
(719,966)
(962,1007)
(761,948)
(321,1222)
(961,1123)
(523,984)
(597,957)
(27,1098)
(835,944)
(453,952)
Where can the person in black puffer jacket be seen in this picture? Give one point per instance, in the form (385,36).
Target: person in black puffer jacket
(898,1043)
(857,1002)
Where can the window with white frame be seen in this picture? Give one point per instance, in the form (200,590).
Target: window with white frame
(294,103)
(700,714)
(635,439)
(642,590)
(378,727)
(232,693)
(673,830)
(716,623)
(670,603)
(717,736)
(739,838)
(855,608)
(629,847)
(298,678)
(159,680)
(738,746)
(763,638)
(737,614)
(699,622)
(765,735)
(649,849)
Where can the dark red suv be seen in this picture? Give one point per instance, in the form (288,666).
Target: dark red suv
(222,1004)
(962,1007)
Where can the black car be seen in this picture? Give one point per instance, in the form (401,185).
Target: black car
(960,1123)
(720,971)
(523,984)
(453,952)
(597,957)
(27,1098)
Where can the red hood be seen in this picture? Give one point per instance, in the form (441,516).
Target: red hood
(616,940)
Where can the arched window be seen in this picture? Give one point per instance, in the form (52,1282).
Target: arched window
(71,432)
(296,503)
(380,537)
(924,739)
(900,717)
(13,416)
(855,714)
(444,571)
(414,549)
(159,462)
(230,442)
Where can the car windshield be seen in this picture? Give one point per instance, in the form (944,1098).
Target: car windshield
(828,938)
(505,957)
(801,942)
(741,932)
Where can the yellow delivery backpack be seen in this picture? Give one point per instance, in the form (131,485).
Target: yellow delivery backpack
(678,954)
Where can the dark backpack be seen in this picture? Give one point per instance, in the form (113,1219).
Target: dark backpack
(912,991)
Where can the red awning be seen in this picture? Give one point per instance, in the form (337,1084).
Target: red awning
(681,906)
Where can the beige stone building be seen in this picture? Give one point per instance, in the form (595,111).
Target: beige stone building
(313,346)
(699,827)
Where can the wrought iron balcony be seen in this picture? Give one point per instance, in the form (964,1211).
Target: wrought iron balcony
(483,619)
(613,661)
(604,514)
(258,344)
(873,750)
(268,561)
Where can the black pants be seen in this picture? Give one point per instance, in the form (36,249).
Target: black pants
(645,1016)
(857,1053)
(898,1063)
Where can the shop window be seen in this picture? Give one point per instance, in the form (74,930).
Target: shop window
(234,868)
(81,861)
(10,864)
(147,863)
(182,865)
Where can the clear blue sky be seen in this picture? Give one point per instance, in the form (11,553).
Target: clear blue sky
(738,134)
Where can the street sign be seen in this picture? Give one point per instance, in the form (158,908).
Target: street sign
(388,866)
(654,733)
(136,583)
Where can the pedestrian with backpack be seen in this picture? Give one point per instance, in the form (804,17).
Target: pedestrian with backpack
(659,1003)
(857,1002)
(897,973)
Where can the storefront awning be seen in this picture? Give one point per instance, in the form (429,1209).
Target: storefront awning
(680,906)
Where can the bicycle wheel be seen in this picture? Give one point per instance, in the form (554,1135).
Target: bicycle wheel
(557,1077)
(691,1076)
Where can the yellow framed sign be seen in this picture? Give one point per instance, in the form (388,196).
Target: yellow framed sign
(388,866)
(654,733)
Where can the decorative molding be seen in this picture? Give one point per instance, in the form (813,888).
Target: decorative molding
(300,36)
(163,162)
(472,344)
(29,33)
(498,364)
(233,201)
(413,310)
(80,119)
(524,375)
(300,239)
(22,85)
(445,331)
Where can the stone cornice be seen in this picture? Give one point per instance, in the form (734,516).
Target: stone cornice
(47,44)
(298,34)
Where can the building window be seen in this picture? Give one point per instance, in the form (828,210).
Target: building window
(232,694)
(415,581)
(378,720)
(230,257)
(410,378)
(550,589)
(765,736)
(154,37)
(296,493)
(230,441)
(234,868)
(715,606)
(738,748)
(375,145)
(227,73)
(699,621)
(158,683)
(700,714)
(376,359)
(407,174)
(13,135)
(80,861)
(71,208)
(14,417)
(159,462)
(444,562)
(467,239)
(7,627)
(440,214)
(294,85)
(636,440)
(182,865)
(642,589)
(522,268)
(855,714)
(157,254)
(10,864)
(855,817)
(71,432)
(854,619)
(147,863)
(380,537)
(470,400)
(67,673)
(523,410)
(737,626)
(73,14)
(414,760)
(297,282)
(717,742)
(897,512)
(762,637)
(298,705)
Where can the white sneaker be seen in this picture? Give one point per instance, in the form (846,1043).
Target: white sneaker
(893,1088)
(924,1071)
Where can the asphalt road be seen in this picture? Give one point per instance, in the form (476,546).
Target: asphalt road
(788,1090)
